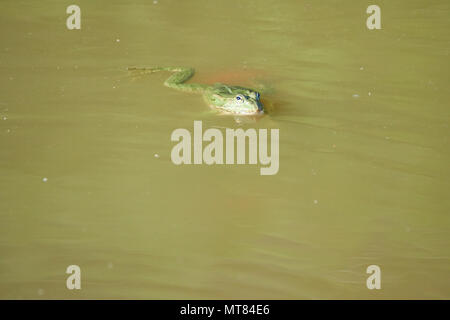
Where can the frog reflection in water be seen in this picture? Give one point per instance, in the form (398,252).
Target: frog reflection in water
(226,99)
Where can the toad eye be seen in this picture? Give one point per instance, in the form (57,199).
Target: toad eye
(257,95)
(238,98)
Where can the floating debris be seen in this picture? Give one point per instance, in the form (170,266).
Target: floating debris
(44,179)
(156,155)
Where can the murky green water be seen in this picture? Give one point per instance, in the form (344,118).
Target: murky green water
(364,151)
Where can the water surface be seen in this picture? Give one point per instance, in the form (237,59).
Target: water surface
(364,151)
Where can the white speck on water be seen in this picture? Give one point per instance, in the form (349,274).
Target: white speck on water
(369,93)
(8,130)
(114,87)
(387,138)
(316,201)
(156,155)
(117,40)
(355,96)
(362,68)
(40,292)
(155,2)
(5,118)
(44,179)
